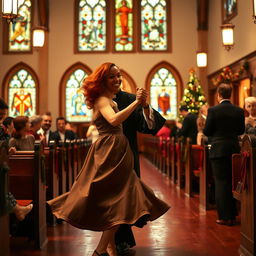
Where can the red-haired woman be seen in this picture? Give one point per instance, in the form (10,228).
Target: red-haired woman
(21,140)
(107,191)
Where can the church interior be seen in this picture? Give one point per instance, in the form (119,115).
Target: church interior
(179,51)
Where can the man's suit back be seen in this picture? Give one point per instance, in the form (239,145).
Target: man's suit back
(224,123)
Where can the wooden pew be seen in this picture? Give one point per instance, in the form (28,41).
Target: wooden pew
(193,166)
(181,159)
(4,188)
(206,183)
(68,166)
(173,160)
(60,167)
(52,179)
(247,195)
(74,159)
(27,183)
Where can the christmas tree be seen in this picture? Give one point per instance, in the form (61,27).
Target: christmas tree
(193,96)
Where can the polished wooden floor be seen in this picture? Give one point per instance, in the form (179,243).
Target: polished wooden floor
(183,231)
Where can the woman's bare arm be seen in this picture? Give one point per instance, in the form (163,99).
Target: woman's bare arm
(103,105)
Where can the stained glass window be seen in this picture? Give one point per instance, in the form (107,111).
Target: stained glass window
(76,110)
(153,25)
(92,25)
(123,25)
(22,94)
(20,31)
(163,93)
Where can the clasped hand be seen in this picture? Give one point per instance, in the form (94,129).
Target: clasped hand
(141,96)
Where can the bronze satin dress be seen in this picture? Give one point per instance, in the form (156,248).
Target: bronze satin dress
(107,191)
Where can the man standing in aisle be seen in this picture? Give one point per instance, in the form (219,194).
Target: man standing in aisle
(45,132)
(145,120)
(224,123)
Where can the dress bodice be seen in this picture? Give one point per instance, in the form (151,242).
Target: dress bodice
(104,127)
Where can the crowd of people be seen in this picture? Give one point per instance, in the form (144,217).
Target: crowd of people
(117,117)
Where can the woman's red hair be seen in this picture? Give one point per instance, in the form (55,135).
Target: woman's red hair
(94,85)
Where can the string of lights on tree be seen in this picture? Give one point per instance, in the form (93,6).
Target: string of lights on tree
(193,96)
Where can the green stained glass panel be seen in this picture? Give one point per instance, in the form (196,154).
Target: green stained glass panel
(22,94)
(92,25)
(163,93)
(20,31)
(153,25)
(124,25)
(76,109)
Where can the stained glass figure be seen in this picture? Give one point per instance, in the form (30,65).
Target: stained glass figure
(22,94)
(92,25)
(123,25)
(163,93)
(153,25)
(76,109)
(20,31)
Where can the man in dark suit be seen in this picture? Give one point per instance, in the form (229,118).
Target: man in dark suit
(188,129)
(62,134)
(224,123)
(145,120)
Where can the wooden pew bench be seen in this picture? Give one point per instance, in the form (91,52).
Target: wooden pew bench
(27,183)
(244,190)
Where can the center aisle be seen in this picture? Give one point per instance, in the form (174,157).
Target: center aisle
(183,231)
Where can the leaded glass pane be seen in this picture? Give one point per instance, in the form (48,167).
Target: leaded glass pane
(153,25)
(20,31)
(123,25)
(92,25)
(22,94)
(76,109)
(163,93)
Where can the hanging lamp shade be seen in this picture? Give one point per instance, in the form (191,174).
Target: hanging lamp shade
(10,9)
(254,10)
(38,36)
(201,59)
(228,35)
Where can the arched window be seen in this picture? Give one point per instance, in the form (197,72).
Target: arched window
(73,105)
(154,25)
(124,40)
(19,35)
(91,25)
(21,87)
(165,86)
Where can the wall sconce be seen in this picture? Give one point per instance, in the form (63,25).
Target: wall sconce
(38,36)
(201,59)
(254,10)
(10,10)
(227,35)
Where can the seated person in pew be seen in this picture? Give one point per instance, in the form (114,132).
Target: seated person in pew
(11,204)
(61,134)
(35,125)
(250,121)
(201,124)
(9,127)
(21,140)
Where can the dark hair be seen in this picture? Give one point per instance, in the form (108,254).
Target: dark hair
(183,108)
(7,121)
(19,123)
(225,90)
(61,118)
(3,105)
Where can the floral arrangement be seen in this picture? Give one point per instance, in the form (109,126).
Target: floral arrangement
(227,76)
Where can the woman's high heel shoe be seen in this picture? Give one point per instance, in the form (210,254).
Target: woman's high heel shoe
(102,254)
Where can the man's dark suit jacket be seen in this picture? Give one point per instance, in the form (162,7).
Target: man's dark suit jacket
(224,123)
(189,127)
(69,135)
(136,122)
